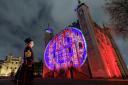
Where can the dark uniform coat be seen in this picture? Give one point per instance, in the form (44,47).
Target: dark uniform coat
(25,72)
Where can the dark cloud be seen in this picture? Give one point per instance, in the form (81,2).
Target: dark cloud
(21,19)
(122,46)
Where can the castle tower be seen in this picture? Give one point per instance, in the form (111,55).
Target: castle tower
(47,38)
(102,57)
(48,35)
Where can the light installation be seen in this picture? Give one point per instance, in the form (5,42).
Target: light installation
(66,48)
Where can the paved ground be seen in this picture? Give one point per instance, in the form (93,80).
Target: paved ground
(69,82)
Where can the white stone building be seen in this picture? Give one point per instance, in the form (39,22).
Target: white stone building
(10,65)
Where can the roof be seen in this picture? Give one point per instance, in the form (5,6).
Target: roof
(1,61)
(81,5)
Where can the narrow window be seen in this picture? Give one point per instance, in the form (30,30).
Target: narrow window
(80,45)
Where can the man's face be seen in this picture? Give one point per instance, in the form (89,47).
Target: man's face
(31,44)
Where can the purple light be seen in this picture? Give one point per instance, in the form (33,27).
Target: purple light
(49,30)
(66,47)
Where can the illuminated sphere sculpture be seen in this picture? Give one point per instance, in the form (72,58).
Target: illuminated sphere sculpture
(66,48)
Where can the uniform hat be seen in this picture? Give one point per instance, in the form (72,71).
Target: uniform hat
(28,40)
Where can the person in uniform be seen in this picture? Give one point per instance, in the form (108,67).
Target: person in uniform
(25,73)
(71,69)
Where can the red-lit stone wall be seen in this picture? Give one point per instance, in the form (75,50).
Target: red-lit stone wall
(107,53)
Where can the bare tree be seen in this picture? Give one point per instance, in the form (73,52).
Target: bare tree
(118,10)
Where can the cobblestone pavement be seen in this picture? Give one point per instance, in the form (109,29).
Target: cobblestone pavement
(69,82)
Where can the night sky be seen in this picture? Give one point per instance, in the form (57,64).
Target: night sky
(20,19)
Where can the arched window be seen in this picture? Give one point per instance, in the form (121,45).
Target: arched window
(80,45)
(68,39)
(69,49)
